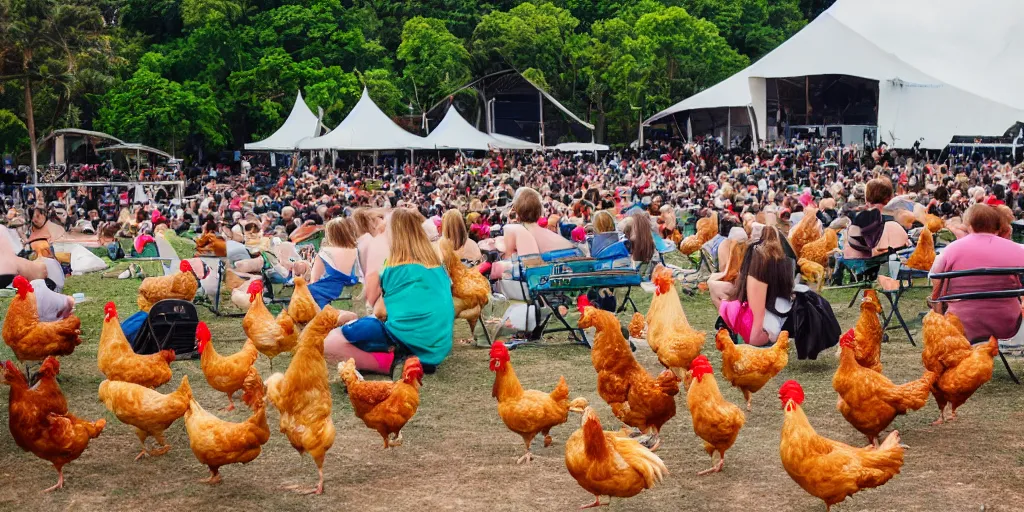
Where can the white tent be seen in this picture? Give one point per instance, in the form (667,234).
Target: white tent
(507,142)
(454,132)
(570,147)
(366,128)
(301,123)
(944,67)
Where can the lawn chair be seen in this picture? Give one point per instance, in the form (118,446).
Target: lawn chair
(904,276)
(860,272)
(171,325)
(1016,343)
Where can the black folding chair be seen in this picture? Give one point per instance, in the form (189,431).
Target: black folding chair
(171,325)
(993,294)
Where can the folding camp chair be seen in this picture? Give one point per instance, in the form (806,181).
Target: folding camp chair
(905,276)
(861,272)
(212,295)
(171,325)
(993,294)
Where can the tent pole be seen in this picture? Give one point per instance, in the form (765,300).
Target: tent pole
(540,105)
(689,129)
(728,128)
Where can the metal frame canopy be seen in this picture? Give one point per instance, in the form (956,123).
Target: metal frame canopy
(301,123)
(366,128)
(137,148)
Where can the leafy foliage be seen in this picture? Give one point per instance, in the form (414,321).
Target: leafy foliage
(205,75)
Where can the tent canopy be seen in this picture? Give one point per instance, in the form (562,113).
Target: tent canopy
(135,148)
(366,128)
(569,147)
(507,142)
(944,67)
(454,132)
(301,123)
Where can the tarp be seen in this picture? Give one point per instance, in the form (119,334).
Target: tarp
(454,132)
(84,261)
(569,147)
(366,128)
(301,123)
(944,67)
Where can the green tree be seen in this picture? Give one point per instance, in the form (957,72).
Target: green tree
(384,91)
(44,42)
(436,62)
(13,134)
(163,113)
(196,13)
(752,27)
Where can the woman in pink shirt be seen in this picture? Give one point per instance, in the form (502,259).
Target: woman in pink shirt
(986,246)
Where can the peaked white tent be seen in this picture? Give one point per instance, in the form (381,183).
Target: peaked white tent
(454,132)
(366,128)
(944,67)
(507,142)
(301,123)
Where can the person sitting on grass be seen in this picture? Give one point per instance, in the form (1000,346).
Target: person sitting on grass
(453,229)
(416,305)
(764,291)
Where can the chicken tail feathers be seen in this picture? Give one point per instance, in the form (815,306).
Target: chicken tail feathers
(642,460)
(561,392)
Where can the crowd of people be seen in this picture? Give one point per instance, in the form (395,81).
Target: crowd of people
(380,223)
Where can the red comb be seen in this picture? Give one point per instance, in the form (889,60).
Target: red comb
(185,266)
(203,332)
(791,390)
(582,302)
(111,311)
(23,286)
(700,367)
(847,339)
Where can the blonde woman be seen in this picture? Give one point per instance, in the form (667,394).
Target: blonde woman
(338,251)
(415,289)
(453,229)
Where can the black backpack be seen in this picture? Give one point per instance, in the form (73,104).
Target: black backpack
(812,324)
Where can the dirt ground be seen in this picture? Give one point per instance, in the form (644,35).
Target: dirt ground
(459,456)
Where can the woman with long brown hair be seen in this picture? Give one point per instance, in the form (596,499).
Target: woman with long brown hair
(453,229)
(414,288)
(765,279)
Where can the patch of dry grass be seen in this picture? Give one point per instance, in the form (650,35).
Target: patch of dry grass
(459,456)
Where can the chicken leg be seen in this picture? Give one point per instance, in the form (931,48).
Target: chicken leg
(528,456)
(164,447)
(547,438)
(142,440)
(713,469)
(596,503)
(748,395)
(60,480)
(231,400)
(319,489)
(214,477)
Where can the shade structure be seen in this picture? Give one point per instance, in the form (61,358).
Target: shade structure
(581,146)
(454,132)
(366,128)
(507,142)
(301,123)
(944,67)
(135,148)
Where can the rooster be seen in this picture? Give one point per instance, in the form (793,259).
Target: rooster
(805,231)
(528,412)
(39,420)
(182,285)
(669,334)
(217,443)
(470,289)
(226,374)
(271,336)
(32,340)
(715,420)
(867,333)
(149,411)
(636,398)
(707,228)
(924,254)
(384,406)
(119,362)
(608,463)
(868,399)
(302,307)
(303,396)
(961,368)
(749,368)
(828,469)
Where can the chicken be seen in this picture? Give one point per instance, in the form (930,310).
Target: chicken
(934,223)
(608,463)
(302,307)
(217,443)
(636,398)
(470,289)
(868,332)
(149,411)
(637,325)
(224,373)
(749,368)
(805,231)
(32,340)
(707,228)
(669,334)
(271,336)
(820,249)
(528,412)
(384,406)
(182,286)
(715,420)
(828,469)
(39,420)
(303,396)
(119,362)
(924,254)
(812,272)
(961,368)
(868,399)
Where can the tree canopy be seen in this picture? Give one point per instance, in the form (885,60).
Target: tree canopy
(200,76)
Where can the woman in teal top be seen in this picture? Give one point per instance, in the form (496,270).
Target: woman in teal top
(416,302)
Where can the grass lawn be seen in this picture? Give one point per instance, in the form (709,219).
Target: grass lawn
(459,456)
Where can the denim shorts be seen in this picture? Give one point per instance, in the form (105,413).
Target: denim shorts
(368,334)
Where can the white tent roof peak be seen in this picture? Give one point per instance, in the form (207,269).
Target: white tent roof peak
(300,124)
(366,128)
(454,132)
